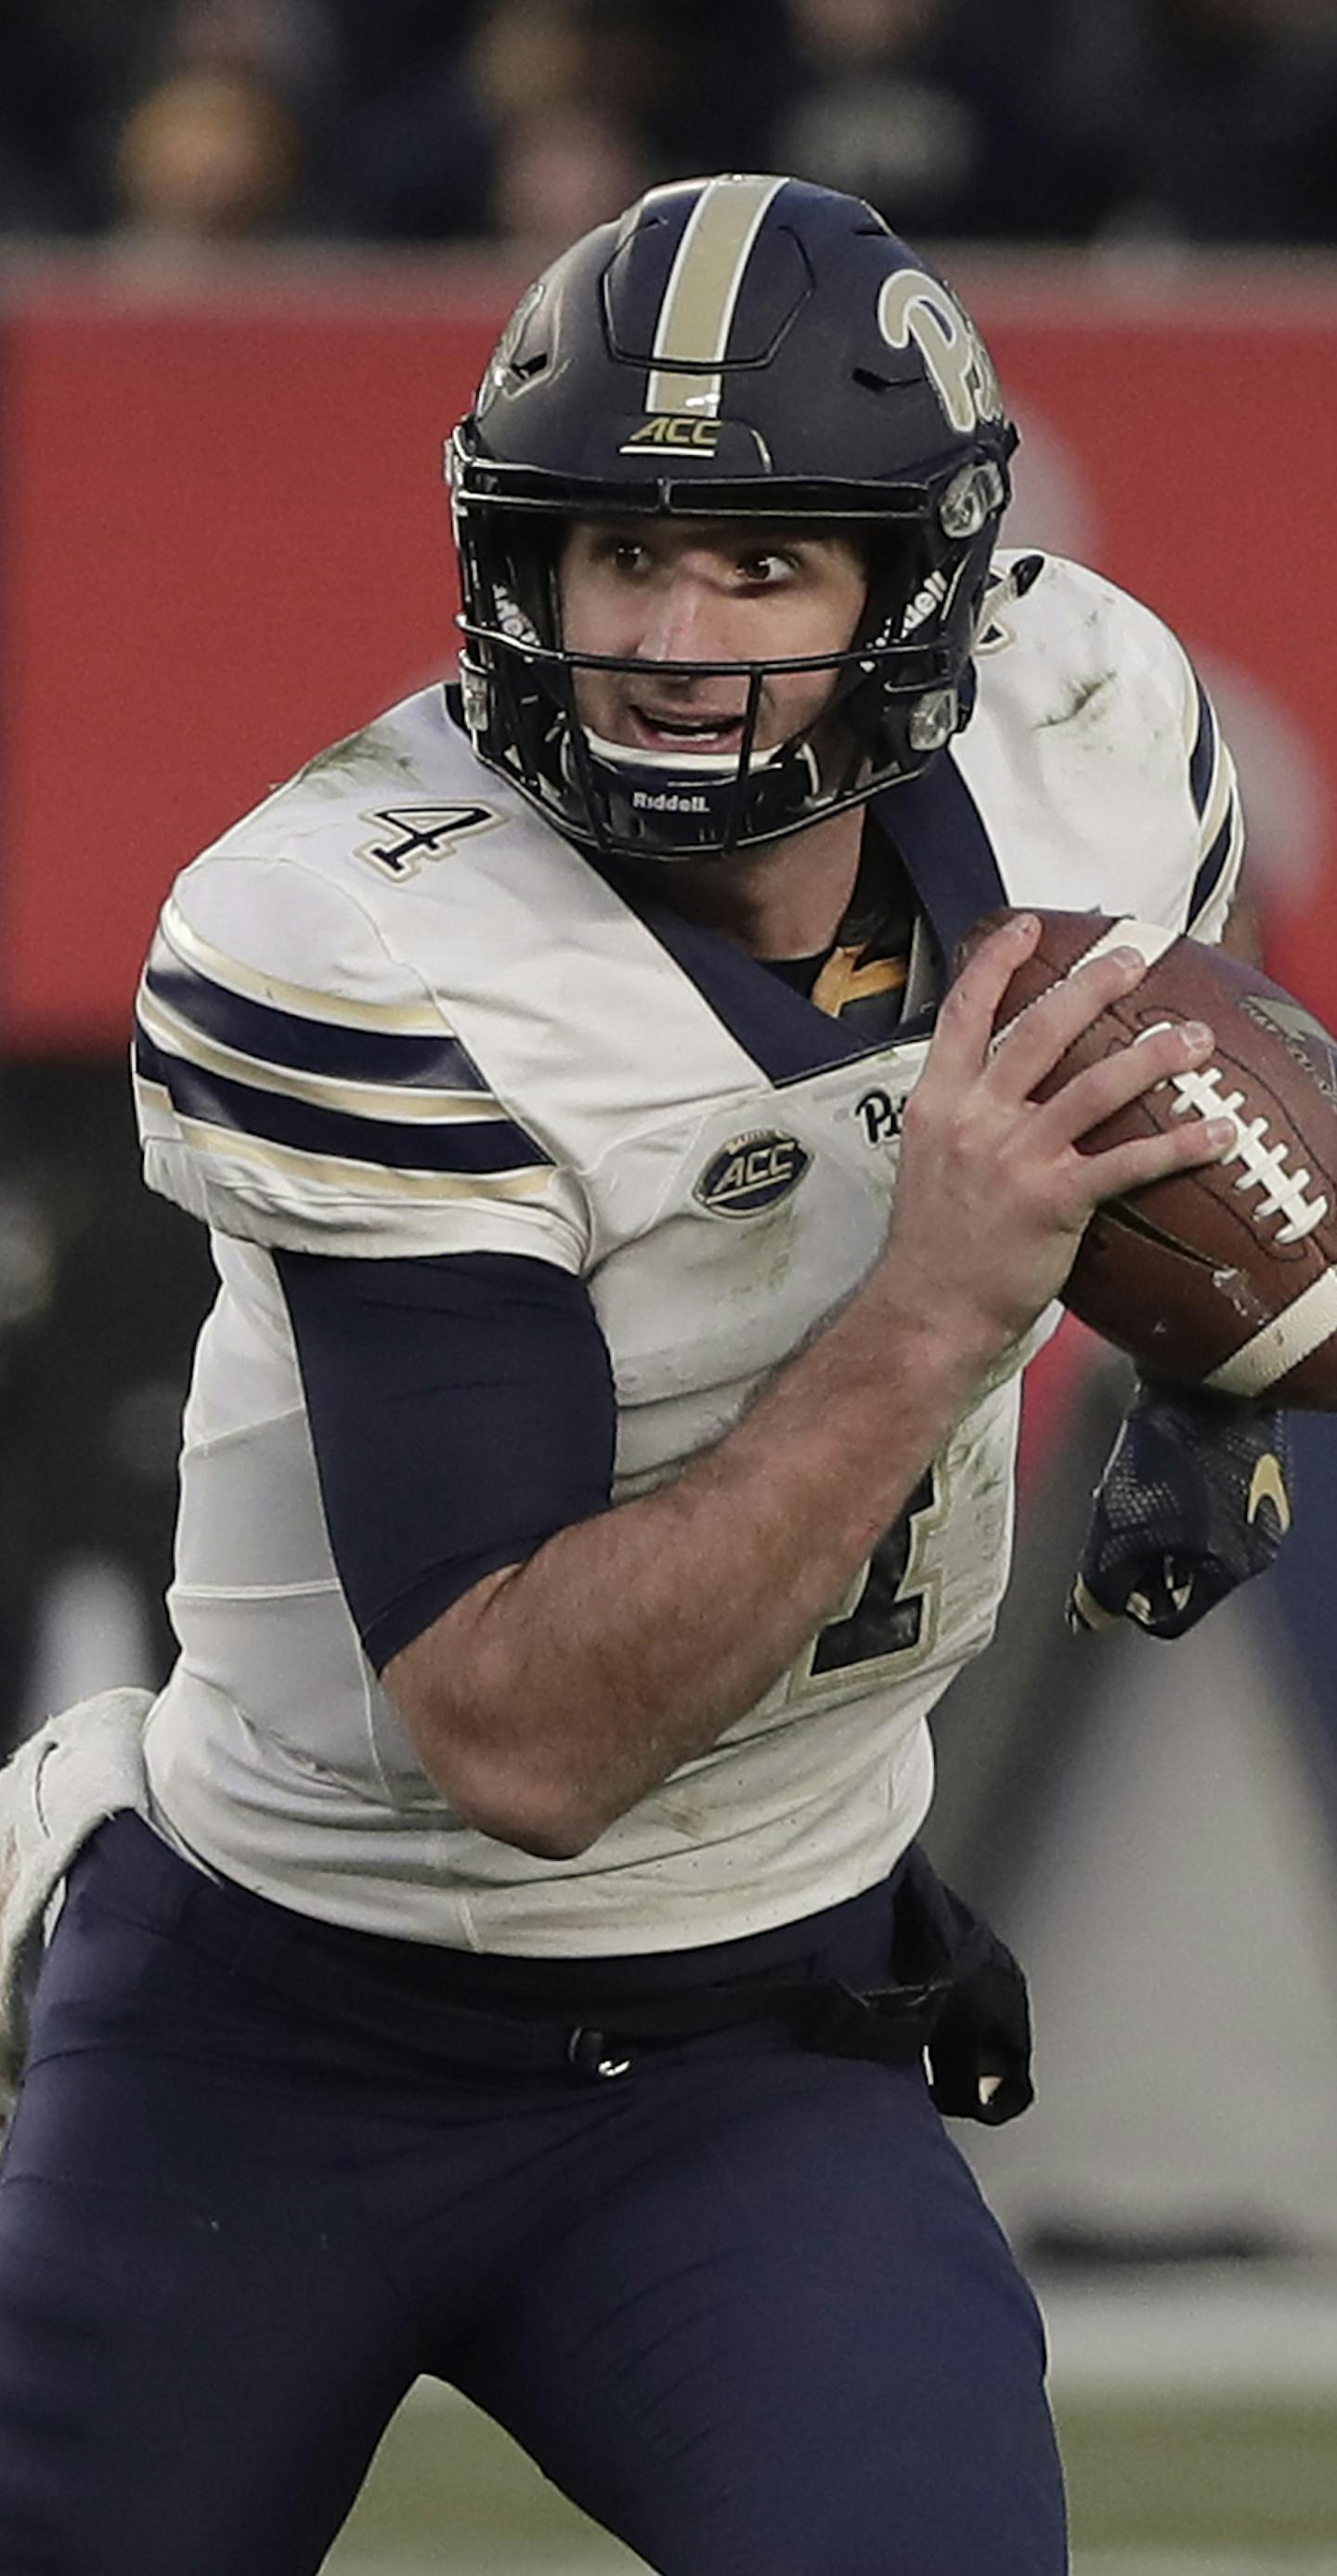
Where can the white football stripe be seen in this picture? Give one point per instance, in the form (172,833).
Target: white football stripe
(1301,1328)
(1150,938)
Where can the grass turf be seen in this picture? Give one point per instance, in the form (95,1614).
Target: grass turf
(1250,2481)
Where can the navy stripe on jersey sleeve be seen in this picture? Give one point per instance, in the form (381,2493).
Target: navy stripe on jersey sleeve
(1202,758)
(308,1045)
(460,1145)
(1213,867)
(461,1411)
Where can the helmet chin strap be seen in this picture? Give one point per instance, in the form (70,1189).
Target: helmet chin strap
(688,765)
(694,797)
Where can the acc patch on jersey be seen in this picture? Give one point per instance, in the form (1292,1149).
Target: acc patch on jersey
(752,1173)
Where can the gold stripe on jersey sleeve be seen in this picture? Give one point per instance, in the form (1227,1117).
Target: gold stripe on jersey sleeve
(151,1095)
(1190,714)
(409,1019)
(395,1101)
(701,297)
(1222,796)
(372,1181)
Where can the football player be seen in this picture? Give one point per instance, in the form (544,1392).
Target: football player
(516,1962)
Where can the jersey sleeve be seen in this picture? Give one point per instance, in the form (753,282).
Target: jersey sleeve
(461,1413)
(298,1086)
(1214,789)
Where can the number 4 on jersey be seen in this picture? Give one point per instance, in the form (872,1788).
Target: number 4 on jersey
(886,1619)
(416,832)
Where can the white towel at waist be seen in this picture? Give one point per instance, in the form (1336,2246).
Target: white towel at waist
(66,1779)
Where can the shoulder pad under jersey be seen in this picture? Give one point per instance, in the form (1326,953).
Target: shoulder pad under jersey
(299,1083)
(1093,734)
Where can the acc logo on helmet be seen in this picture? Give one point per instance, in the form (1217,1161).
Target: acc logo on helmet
(673,429)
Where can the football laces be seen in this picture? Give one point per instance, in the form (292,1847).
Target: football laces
(1265,1165)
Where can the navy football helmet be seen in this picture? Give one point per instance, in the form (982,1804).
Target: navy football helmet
(734,348)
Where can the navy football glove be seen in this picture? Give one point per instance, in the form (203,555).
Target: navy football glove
(1195,1498)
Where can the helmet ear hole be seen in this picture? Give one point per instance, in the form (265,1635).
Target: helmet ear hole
(973,497)
(524,579)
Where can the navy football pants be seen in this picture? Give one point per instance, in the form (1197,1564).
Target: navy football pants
(744,2303)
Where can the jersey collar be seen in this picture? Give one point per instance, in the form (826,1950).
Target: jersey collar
(936,827)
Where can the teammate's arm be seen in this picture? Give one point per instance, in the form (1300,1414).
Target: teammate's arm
(555,1694)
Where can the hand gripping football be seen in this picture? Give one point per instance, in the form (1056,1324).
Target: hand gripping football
(1225,1276)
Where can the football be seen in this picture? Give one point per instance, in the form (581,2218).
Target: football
(1225,1276)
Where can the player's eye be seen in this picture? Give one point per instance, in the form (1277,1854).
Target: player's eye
(763,566)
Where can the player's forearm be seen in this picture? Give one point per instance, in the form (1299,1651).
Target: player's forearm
(554,1696)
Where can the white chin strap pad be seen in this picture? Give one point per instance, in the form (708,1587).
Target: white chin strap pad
(682,763)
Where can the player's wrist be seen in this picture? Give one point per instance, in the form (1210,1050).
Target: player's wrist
(943,1340)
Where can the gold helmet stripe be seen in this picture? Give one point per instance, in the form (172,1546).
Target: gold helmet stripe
(702,294)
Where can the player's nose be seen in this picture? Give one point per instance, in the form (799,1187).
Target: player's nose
(678,624)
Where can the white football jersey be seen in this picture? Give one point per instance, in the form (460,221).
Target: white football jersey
(392,1013)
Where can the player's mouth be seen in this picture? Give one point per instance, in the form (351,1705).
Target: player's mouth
(678,729)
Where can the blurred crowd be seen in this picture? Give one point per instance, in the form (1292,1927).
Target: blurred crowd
(521,122)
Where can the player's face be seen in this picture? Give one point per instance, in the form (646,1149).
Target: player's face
(656,591)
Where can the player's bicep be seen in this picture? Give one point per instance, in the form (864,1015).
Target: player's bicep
(461,1412)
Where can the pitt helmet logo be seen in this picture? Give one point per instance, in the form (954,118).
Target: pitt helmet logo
(751,1174)
(915,306)
(673,429)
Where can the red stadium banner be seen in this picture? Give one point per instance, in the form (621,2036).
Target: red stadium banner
(227,543)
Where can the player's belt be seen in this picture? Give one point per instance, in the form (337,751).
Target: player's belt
(953,1990)
(893,2023)
(969,2011)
